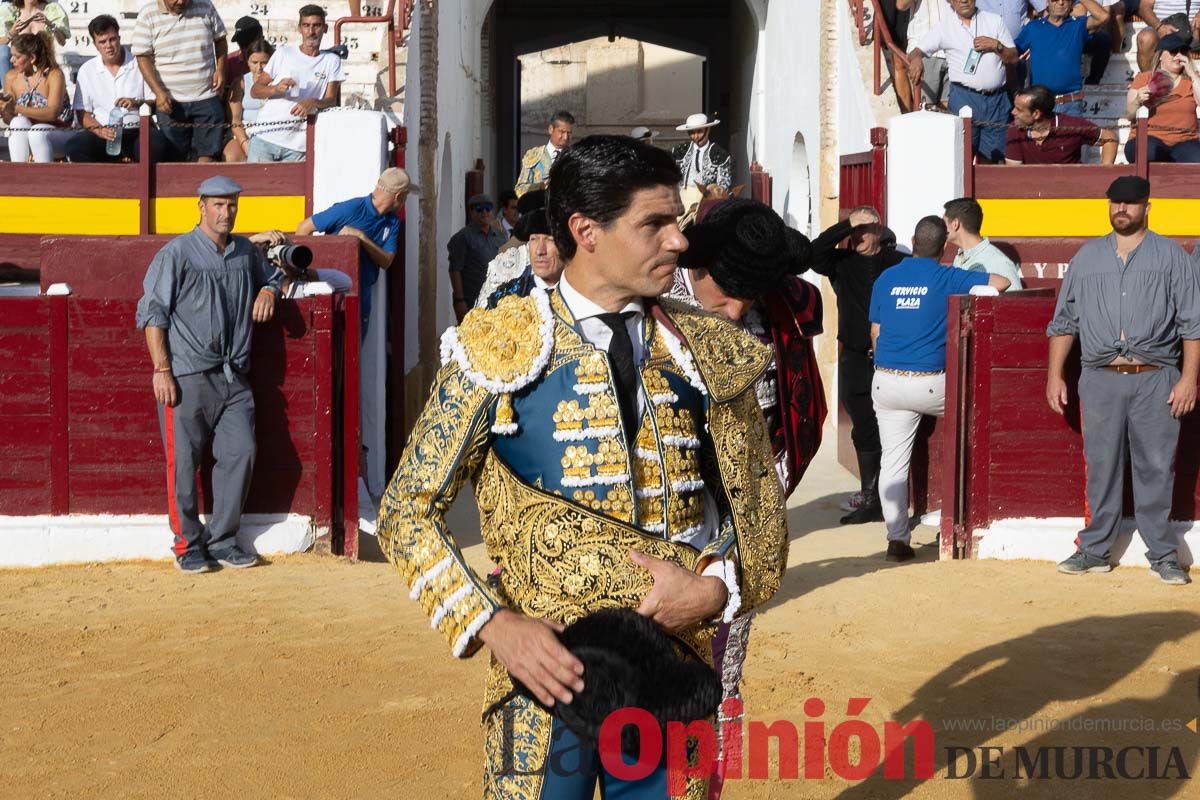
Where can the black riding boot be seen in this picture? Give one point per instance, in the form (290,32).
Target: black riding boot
(870,510)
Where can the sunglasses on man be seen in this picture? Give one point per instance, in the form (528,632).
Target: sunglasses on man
(481,207)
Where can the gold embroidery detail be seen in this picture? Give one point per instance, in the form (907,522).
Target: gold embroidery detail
(729,360)
(543,544)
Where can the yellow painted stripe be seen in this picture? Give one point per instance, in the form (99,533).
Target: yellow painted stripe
(69,215)
(1081,217)
(255,213)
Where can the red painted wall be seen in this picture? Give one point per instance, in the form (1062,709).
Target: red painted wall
(75,401)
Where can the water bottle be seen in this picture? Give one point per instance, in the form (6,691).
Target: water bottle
(116,121)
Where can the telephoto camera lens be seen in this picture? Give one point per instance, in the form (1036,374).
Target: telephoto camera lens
(296,256)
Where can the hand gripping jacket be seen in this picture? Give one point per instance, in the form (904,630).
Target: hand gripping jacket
(525,408)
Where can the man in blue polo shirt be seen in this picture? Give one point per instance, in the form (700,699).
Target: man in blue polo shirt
(908,330)
(373,221)
(1055,46)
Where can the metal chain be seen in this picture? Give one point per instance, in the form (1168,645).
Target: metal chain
(170,123)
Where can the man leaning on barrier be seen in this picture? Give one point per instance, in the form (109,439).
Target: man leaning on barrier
(203,292)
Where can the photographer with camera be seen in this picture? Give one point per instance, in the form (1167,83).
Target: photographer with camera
(203,292)
(372,220)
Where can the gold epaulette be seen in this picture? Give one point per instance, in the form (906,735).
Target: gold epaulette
(532,156)
(728,359)
(505,348)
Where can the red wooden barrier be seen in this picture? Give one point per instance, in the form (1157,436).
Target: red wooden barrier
(82,428)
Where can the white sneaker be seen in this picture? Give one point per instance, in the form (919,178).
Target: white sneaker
(853,501)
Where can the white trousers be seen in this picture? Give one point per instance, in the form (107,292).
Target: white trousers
(37,141)
(900,402)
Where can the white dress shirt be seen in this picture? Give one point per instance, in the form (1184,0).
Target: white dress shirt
(957,39)
(97,90)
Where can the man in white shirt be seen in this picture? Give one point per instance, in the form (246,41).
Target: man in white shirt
(977,45)
(297,81)
(103,84)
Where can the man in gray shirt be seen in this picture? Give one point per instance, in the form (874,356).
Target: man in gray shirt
(471,250)
(203,292)
(1133,300)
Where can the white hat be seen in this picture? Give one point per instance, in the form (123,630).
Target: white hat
(642,132)
(697,121)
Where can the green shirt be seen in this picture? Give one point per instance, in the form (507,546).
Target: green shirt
(986,257)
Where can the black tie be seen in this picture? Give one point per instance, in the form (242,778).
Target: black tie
(620,355)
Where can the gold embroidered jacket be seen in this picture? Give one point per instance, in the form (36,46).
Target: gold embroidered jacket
(526,408)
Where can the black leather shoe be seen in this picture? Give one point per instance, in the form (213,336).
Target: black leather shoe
(864,513)
(900,552)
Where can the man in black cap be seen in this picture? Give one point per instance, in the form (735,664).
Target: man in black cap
(1133,300)
(245,31)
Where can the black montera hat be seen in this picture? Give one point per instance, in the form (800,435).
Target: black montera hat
(532,208)
(746,247)
(628,661)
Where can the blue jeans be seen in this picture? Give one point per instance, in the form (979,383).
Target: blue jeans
(192,143)
(990,118)
(5,60)
(262,150)
(1072,109)
(1183,153)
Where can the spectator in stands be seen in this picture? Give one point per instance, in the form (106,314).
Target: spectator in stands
(1163,18)
(200,362)
(964,221)
(1015,13)
(931,86)
(246,31)
(1132,299)
(180,48)
(536,163)
(243,107)
(1041,136)
(471,250)
(978,46)
(34,103)
(852,272)
(1171,94)
(111,81)
(1054,44)
(507,219)
(298,81)
(30,16)
(908,329)
(373,221)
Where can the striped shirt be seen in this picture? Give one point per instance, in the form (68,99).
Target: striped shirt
(182,46)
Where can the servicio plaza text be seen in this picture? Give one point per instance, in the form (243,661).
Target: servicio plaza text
(742,751)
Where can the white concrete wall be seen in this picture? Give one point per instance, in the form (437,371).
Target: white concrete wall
(855,118)
(786,99)
(925,168)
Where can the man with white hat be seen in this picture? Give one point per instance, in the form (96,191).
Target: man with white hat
(203,293)
(703,161)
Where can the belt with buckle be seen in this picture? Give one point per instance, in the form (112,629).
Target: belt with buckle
(1068,98)
(1130,369)
(910,373)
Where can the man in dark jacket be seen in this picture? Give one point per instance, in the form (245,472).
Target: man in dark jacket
(853,271)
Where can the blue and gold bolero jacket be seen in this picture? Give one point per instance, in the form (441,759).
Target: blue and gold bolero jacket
(526,409)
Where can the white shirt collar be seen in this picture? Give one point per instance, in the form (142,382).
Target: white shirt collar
(582,308)
(541,284)
(705,146)
(551,150)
